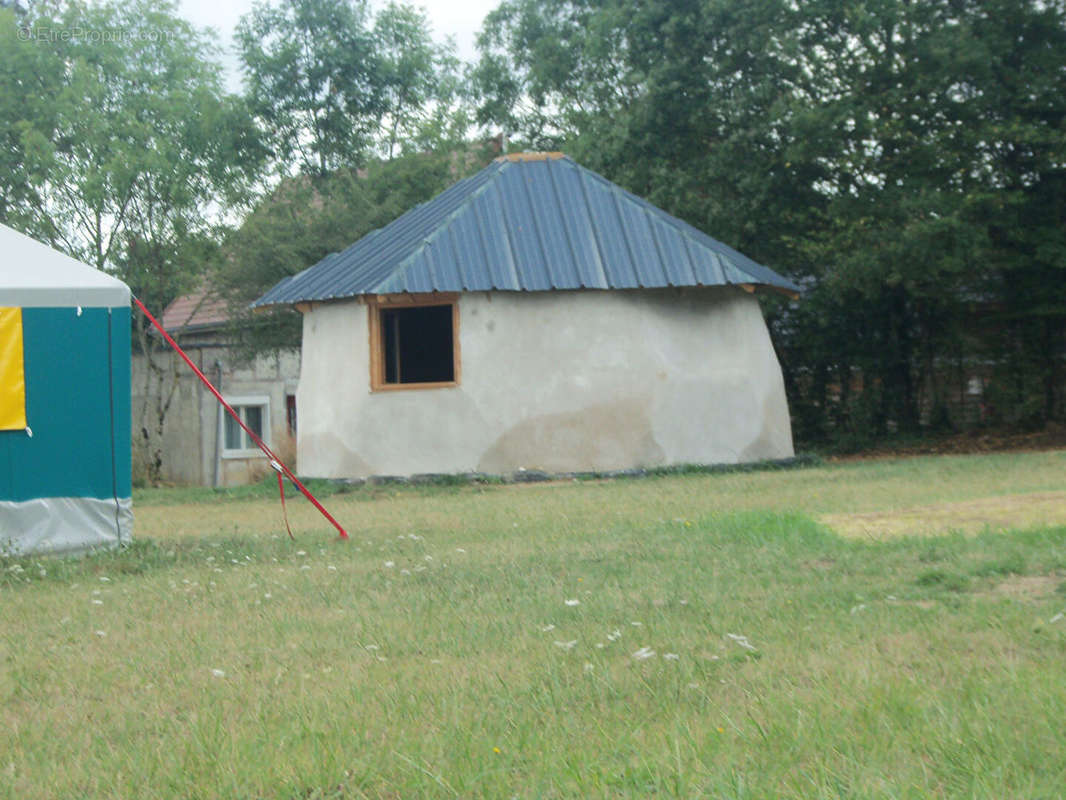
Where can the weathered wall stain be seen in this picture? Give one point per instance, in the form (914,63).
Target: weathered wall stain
(613,435)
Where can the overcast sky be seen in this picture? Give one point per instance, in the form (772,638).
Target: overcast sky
(460,19)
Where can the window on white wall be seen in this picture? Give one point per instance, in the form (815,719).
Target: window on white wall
(414,341)
(255,413)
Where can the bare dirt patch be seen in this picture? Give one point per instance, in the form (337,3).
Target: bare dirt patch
(1025,587)
(970,516)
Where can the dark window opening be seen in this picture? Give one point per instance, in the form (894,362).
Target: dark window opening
(290,412)
(418,344)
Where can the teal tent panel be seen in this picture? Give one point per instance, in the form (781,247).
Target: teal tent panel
(77,364)
(121,381)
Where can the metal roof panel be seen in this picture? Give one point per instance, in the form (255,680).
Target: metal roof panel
(527,222)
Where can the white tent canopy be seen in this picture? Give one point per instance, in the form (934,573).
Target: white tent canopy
(33,275)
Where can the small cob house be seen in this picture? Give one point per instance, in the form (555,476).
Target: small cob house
(534,316)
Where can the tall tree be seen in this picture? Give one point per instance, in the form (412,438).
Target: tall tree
(334,85)
(420,83)
(314,80)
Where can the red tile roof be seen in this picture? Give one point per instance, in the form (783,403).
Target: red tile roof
(196,310)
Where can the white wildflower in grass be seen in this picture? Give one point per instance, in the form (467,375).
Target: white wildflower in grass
(614,635)
(382,658)
(644,653)
(101,634)
(740,640)
(549,627)
(460,550)
(105,579)
(599,645)
(671,656)
(573,602)
(636,624)
(589,667)
(858,608)
(405,572)
(96,592)
(218,673)
(98,602)
(331,568)
(267,596)
(301,552)
(427,557)
(684,602)
(372,647)
(422,567)
(390,564)
(1056,618)
(566,645)
(305,566)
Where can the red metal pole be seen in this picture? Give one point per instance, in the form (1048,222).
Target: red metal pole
(275,462)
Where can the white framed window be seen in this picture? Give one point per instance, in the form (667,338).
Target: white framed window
(254,411)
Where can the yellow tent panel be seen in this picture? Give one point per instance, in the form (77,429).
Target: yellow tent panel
(12,373)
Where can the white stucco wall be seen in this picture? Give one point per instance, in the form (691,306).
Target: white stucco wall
(557,381)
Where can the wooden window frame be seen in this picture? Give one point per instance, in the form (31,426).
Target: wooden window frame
(384,302)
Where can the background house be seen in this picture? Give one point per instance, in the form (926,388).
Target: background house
(201,444)
(535,316)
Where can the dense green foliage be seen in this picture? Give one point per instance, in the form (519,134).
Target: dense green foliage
(904,160)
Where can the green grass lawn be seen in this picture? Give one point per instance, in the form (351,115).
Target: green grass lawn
(693,635)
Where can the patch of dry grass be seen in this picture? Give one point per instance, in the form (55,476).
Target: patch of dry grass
(1005,512)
